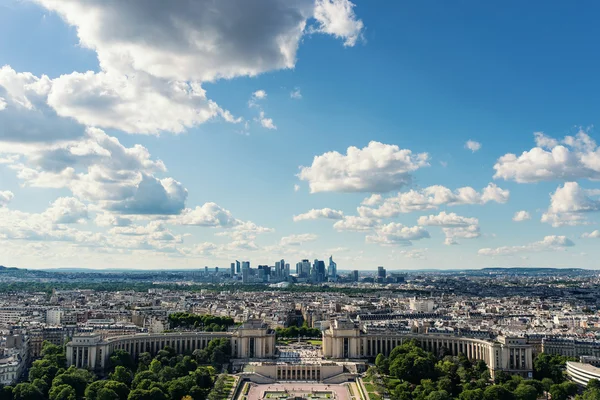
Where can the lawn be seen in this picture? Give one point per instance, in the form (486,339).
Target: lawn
(315,342)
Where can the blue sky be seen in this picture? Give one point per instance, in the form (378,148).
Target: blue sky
(156,135)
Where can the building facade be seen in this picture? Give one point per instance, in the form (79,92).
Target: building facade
(346,339)
(252,340)
(582,373)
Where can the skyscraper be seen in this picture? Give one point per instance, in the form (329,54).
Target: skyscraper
(232,271)
(355,275)
(332,270)
(237,267)
(381,274)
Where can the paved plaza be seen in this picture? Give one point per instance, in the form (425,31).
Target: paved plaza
(259,392)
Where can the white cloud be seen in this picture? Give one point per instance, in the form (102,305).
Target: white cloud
(25,117)
(266,122)
(521,216)
(67,210)
(99,169)
(396,234)
(5,197)
(473,145)
(209,214)
(189,40)
(549,243)
(355,224)
(591,235)
(296,94)
(325,213)
(137,103)
(259,95)
(431,198)
(446,220)
(154,57)
(372,200)
(376,168)
(412,253)
(569,205)
(578,157)
(454,226)
(297,240)
(337,18)
(296,187)
(107,219)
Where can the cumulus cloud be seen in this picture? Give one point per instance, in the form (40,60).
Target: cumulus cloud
(259,95)
(446,220)
(50,225)
(106,219)
(337,18)
(372,200)
(521,216)
(5,197)
(297,240)
(549,243)
(153,196)
(473,145)
(376,168)
(138,103)
(355,224)
(296,187)
(266,122)
(25,116)
(591,235)
(189,39)
(324,213)
(244,231)
(431,198)
(154,56)
(575,157)
(396,234)
(570,204)
(67,210)
(454,226)
(209,214)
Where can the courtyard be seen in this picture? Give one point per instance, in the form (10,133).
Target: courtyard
(292,390)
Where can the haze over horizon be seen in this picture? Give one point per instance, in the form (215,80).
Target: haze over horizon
(174,135)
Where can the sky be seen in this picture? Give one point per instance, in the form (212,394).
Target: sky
(411,135)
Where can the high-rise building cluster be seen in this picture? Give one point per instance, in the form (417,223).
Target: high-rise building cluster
(307,272)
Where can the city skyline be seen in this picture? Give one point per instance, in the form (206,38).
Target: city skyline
(460,137)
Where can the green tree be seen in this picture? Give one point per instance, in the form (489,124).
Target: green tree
(121,358)
(525,392)
(497,392)
(78,379)
(562,391)
(62,392)
(27,391)
(474,394)
(439,395)
(383,364)
(121,374)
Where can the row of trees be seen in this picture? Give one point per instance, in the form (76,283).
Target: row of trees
(166,376)
(294,332)
(206,322)
(411,373)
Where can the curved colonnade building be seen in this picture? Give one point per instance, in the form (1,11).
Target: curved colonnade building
(345,339)
(253,339)
(582,373)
